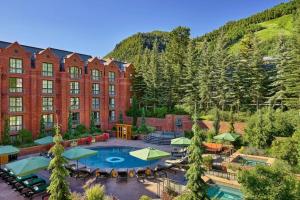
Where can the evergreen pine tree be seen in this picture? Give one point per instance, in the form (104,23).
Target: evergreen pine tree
(175,55)
(92,123)
(5,135)
(196,185)
(231,122)
(121,121)
(135,110)
(70,130)
(216,123)
(42,127)
(191,84)
(58,188)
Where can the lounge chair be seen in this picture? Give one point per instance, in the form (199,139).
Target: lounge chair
(122,175)
(20,179)
(178,153)
(72,169)
(37,189)
(29,183)
(178,162)
(85,172)
(102,175)
(140,174)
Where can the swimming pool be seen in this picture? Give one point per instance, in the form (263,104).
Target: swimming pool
(250,162)
(222,192)
(115,157)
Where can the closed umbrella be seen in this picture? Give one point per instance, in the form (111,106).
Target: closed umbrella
(28,165)
(227,136)
(44,140)
(149,154)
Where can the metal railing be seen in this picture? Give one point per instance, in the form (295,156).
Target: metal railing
(222,174)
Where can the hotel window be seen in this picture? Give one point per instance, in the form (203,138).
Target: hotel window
(111,90)
(111,76)
(96,88)
(15,85)
(47,69)
(95,103)
(74,103)
(75,118)
(112,115)
(47,87)
(47,103)
(96,116)
(95,74)
(111,103)
(75,72)
(48,120)
(15,123)
(74,88)
(15,104)
(15,66)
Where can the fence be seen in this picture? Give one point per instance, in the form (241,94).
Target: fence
(222,174)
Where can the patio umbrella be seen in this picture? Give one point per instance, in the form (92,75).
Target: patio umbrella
(8,150)
(227,136)
(181,141)
(149,154)
(28,165)
(44,140)
(78,153)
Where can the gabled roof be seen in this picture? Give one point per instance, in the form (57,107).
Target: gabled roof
(61,54)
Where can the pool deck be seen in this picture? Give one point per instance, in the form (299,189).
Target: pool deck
(130,190)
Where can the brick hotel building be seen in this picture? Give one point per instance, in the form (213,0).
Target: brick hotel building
(39,83)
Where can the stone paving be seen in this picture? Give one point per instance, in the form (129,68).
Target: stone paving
(130,190)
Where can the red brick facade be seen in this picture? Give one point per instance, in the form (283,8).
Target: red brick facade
(32,93)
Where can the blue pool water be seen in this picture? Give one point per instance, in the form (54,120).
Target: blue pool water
(115,157)
(221,192)
(250,162)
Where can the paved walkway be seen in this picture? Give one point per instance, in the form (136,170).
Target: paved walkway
(130,190)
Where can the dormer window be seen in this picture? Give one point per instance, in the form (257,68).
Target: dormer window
(75,72)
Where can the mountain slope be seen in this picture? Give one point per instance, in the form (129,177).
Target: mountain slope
(267,25)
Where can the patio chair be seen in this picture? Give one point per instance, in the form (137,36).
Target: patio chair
(85,172)
(178,153)
(30,183)
(20,179)
(122,175)
(140,174)
(37,189)
(178,162)
(102,175)
(71,168)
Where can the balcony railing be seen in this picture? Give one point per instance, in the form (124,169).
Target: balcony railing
(96,78)
(74,107)
(47,73)
(16,90)
(47,90)
(74,91)
(75,76)
(49,124)
(16,70)
(15,108)
(48,108)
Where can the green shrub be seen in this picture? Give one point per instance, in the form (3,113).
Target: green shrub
(80,130)
(26,136)
(208,162)
(188,134)
(144,197)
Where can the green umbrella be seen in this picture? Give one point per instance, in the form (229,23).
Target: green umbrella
(8,150)
(181,141)
(227,136)
(44,140)
(28,165)
(78,153)
(149,154)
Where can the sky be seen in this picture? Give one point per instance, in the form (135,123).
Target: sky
(94,27)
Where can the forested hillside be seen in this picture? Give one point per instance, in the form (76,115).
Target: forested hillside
(243,65)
